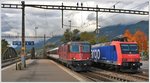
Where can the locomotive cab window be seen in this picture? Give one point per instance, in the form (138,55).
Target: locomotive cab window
(129,48)
(86,48)
(74,48)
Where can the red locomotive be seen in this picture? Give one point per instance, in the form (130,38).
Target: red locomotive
(75,55)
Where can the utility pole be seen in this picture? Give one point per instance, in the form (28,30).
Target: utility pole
(62,15)
(35,39)
(44,48)
(70,29)
(96,17)
(70,24)
(97,31)
(23,54)
(36,32)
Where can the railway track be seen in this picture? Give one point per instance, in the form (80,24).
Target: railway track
(91,77)
(99,75)
(102,75)
(139,77)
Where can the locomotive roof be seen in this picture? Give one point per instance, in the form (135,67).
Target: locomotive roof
(109,43)
(77,42)
(101,44)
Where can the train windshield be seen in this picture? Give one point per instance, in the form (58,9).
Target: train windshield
(74,48)
(86,48)
(129,48)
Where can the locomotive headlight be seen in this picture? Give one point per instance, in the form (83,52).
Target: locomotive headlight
(74,58)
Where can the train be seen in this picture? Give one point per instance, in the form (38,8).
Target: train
(118,55)
(75,55)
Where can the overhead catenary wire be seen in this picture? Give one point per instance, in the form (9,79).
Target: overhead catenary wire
(110,17)
(46,18)
(100,14)
(6,23)
(29,21)
(116,14)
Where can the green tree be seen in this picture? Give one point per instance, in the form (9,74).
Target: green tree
(75,35)
(66,36)
(71,36)
(90,37)
(103,39)
(4,44)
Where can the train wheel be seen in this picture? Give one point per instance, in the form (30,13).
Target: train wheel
(117,68)
(68,65)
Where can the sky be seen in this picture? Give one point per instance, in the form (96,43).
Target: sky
(49,21)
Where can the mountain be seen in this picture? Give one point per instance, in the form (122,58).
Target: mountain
(109,31)
(115,30)
(54,40)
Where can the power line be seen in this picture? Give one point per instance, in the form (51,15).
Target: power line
(46,18)
(119,14)
(29,21)
(9,36)
(104,12)
(7,23)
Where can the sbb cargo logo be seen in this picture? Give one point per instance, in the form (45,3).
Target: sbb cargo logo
(96,54)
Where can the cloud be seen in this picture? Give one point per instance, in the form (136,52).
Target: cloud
(91,17)
(49,21)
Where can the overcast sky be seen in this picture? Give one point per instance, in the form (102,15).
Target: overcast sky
(49,21)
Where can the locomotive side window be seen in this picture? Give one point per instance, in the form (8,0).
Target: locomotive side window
(74,48)
(129,48)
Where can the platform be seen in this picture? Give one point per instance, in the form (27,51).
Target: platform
(41,70)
